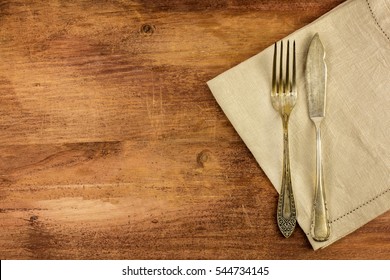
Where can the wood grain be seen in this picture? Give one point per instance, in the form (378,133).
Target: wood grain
(113,147)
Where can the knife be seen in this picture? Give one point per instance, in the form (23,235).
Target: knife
(316,76)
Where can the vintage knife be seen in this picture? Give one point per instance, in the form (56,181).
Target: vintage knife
(316,76)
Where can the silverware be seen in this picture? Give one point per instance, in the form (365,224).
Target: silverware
(283,97)
(316,86)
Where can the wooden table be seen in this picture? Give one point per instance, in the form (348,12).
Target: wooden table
(113,147)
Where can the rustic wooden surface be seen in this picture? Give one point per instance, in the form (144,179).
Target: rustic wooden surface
(113,147)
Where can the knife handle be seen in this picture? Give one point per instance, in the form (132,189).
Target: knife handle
(286,212)
(320,227)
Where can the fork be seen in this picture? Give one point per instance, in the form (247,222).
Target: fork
(283,98)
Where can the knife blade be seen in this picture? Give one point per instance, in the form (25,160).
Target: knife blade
(316,77)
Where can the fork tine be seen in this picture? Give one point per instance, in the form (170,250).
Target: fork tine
(294,70)
(281,85)
(274,87)
(287,81)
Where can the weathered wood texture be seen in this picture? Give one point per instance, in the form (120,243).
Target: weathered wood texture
(113,147)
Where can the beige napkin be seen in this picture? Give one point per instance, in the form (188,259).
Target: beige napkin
(355,131)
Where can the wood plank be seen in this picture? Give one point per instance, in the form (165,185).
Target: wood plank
(112,146)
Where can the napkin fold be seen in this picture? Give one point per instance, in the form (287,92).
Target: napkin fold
(355,131)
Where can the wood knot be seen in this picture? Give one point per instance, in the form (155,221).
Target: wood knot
(203,157)
(147,29)
(33,218)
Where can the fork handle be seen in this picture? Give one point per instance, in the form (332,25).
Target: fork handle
(286,212)
(320,227)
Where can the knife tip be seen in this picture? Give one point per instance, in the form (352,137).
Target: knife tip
(316,44)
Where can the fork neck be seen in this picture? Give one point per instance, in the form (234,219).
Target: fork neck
(285,118)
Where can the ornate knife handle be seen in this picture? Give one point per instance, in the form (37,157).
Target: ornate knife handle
(286,212)
(320,227)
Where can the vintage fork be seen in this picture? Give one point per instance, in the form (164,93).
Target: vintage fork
(283,97)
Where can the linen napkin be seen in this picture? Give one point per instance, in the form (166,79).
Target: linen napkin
(355,131)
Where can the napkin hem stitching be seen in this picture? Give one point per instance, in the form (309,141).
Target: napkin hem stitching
(358,207)
(361,205)
(376,20)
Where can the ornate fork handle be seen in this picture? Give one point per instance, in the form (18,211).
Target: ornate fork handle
(286,213)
